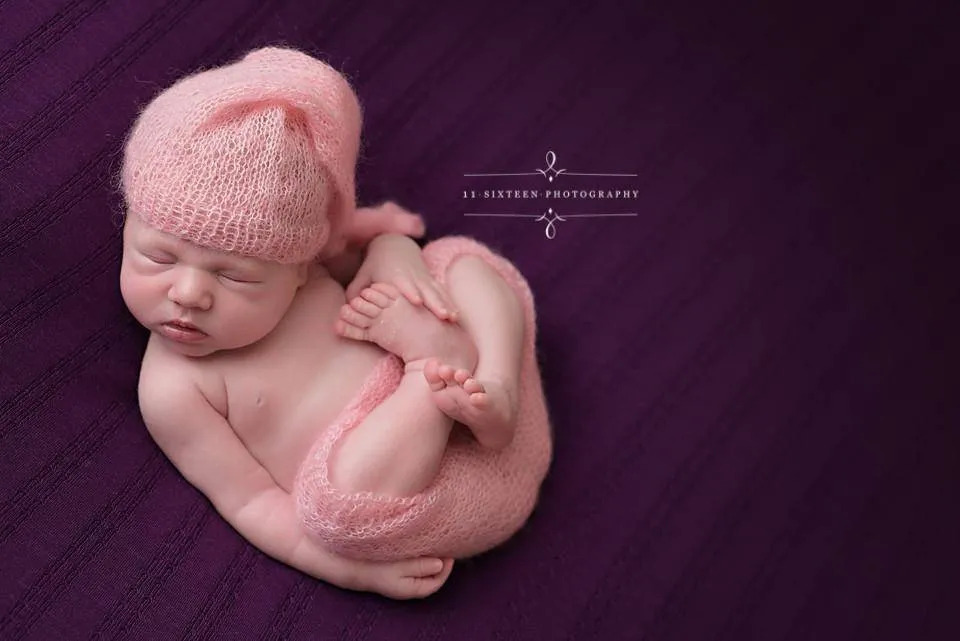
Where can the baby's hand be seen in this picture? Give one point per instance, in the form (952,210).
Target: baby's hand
(397,260)
(388,218)
(408,579)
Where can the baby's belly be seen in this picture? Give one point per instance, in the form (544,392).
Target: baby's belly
(307,409)
(282,398)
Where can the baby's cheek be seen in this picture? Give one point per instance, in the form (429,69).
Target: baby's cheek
(241,322)
(127,285)
(135,290)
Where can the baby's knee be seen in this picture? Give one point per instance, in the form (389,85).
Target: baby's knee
(467,265)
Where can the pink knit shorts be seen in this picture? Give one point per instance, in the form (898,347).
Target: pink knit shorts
(479,498)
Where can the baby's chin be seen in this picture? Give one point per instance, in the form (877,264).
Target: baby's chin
(191,350)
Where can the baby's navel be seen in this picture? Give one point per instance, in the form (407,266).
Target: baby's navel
(259,399)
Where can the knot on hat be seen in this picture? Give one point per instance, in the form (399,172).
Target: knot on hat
(255,157)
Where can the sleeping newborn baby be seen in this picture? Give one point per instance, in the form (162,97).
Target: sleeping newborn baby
(367,436)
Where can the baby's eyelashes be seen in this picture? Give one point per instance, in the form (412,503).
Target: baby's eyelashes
(159,259)
(239,278)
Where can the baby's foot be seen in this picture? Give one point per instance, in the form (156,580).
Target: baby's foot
(381,315)
(489,409)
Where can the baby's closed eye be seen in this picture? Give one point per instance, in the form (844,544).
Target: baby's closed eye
(243,279)
(160,258)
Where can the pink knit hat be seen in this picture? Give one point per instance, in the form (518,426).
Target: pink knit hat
(255,157)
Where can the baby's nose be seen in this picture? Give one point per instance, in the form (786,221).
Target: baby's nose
(190,289)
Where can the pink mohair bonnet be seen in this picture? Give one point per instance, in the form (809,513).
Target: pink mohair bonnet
(255,158)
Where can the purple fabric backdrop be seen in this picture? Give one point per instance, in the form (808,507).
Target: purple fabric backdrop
(749,379)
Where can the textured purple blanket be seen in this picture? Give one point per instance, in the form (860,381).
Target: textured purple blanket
(748,377)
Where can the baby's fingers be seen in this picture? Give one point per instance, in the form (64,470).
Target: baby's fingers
(411,225)
(409,289)
(360,282)
(437,301)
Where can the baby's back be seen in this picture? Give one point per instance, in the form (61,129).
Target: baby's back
(281,393)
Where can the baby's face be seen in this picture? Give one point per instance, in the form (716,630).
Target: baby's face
(200,300)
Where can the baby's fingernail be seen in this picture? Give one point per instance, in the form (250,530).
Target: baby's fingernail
(436,566)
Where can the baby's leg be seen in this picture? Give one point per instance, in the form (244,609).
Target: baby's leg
(397,449)
(486,401)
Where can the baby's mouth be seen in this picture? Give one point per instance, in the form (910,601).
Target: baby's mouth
(182,324)
(182,331)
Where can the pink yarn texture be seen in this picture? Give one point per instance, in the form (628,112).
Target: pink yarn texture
(255,157)
(479,499)
(258,158)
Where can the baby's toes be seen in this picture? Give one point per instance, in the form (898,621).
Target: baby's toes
(461,376)
(472,386)
(376,297)
(431,372)
(350,316)
(347,330)
(448,374)
(388,290)
(365,308)
(480,401)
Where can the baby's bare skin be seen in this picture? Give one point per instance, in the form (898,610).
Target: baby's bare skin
(442,351)
(237,415)
(397,450)
(281,392)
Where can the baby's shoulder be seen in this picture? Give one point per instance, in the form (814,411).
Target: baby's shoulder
(164,371)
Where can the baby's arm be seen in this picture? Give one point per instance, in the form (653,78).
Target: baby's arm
(386,218)
(398,260)
(366,224)
(203,446)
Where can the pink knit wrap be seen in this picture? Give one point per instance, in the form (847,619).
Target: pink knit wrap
(480,497)
(255,157)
